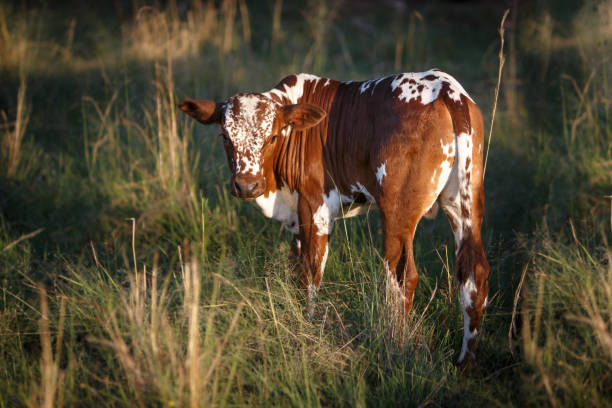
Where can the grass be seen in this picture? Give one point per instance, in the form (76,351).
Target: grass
(565,330)
(130,277)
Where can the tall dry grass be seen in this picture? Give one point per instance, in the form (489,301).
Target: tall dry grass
(13,133)
(17,49)
(26,46)
(566,330)
(144,157)
(48,392)
(169,33)
(212,341)
(161,353)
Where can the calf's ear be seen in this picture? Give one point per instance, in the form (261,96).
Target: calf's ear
(301,115)
(206,112)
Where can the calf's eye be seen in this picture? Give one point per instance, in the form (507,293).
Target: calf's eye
(273,139)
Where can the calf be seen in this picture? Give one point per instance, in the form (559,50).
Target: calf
(312,150)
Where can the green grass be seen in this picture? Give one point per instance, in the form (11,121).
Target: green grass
(130,277)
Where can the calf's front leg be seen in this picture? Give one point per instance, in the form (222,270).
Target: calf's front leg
(313,238)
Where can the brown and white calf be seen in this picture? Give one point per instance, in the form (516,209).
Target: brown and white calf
(312,150)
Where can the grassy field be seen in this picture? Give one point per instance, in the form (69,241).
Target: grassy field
(130,277)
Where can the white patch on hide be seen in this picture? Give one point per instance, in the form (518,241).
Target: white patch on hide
(457,192)
(345,199)
(282,206)
(381,172)
(448,150)
(370,84)
(464,155)
(364,86)
(450,201)
(467,336)
(286,131)
(248,128)
(466,290)
(324,217)
(294,93)
(324,260)
(430,88)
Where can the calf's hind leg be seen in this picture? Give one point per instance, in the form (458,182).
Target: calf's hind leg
(400,268)
(465,217)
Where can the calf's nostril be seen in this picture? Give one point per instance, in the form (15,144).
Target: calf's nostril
(245,188)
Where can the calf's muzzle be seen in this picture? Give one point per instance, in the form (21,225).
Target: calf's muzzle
(247,188)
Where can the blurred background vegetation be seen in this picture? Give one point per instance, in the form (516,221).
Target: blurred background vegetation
(130,277)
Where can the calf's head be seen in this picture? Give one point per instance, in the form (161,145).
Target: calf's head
(251,125)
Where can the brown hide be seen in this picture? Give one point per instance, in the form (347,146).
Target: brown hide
(405,143)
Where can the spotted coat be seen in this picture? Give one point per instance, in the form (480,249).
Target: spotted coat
(313,150)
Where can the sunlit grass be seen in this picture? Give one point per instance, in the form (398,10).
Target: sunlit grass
(163,290)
